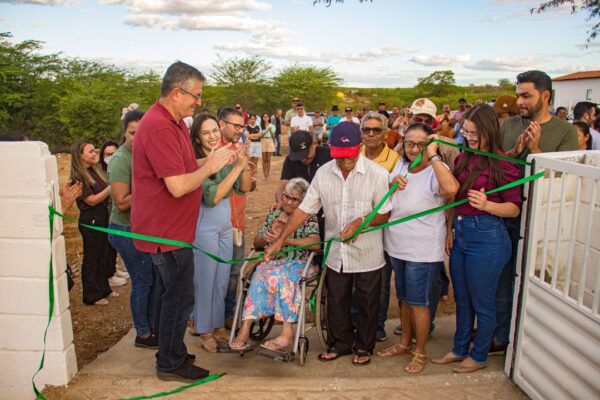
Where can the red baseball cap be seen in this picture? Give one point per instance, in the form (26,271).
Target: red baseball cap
(345,140)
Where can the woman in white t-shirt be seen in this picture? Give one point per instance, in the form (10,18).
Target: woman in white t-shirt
(416,247)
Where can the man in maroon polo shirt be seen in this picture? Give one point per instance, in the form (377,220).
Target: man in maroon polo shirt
(166,195)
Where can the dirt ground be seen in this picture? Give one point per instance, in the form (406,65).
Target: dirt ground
(97,328)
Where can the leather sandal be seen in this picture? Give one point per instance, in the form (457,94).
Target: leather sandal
(208,342)
(416,364)
(447,358)
(396,350)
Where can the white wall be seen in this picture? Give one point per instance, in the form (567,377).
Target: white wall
(571,92)
(28,183)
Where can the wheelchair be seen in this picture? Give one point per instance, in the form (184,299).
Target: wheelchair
(311,287)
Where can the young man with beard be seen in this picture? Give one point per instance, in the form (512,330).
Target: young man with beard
(231,124)
(535,130)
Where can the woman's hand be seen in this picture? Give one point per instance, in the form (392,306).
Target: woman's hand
(270,237)
(433,146)
(478,199)
(449,241)
(349,230)
(69,193)
(272,249)
(402,182)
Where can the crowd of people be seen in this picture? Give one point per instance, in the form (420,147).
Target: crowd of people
(187,180)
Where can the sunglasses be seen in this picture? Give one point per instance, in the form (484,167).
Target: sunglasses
(368,131)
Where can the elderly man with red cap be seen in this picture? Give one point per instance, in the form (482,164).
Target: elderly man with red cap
(348,188)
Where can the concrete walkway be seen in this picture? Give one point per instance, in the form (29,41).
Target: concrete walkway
(125,371)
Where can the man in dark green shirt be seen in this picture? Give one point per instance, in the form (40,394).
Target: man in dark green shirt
(535,130)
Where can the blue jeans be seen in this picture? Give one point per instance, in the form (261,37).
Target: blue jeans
(174,282)
(234,273)
(277,143)
(139,266)
(506,284)
(480,251)
(415,281)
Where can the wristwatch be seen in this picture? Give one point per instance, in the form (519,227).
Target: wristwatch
(435,158)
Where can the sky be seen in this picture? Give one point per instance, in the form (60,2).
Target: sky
(378,43)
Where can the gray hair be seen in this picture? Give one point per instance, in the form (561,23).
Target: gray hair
(300,185)
(180,74)
(374,115)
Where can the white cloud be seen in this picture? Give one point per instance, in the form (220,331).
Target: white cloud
(202,23)
(441,60)
(190,7)
(568,69)
(41,2)
(505,64)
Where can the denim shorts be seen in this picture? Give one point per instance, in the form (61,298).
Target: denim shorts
(414,280)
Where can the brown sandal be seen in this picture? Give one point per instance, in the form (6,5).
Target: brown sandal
(221,334)
(396,350)
(208,342)
(416,364)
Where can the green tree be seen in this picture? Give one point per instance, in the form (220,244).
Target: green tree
(315,86)
(438,83)
(243,80)
(592,7)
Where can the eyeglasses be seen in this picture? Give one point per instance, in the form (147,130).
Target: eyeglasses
(197,97)
(237,127)
(208,132)
(473,136)
(287,198)
(410,145)
(238,107)
(371,131)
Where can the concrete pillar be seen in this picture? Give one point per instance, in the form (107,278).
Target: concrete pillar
(28,184)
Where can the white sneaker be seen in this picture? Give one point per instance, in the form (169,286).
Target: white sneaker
(115,281)
(122,274)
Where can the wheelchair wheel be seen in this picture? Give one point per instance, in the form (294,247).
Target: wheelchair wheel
(321,312)
(261,328)
(303,349)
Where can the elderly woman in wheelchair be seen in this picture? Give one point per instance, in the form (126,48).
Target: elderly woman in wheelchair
(274,289)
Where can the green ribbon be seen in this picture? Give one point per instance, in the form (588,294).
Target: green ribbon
(209,378)
(361,229)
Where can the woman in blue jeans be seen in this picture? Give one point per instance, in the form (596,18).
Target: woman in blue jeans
(416,248)
(480,246)
(214,233)
(139,265)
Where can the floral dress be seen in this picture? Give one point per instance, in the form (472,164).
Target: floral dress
(275,288)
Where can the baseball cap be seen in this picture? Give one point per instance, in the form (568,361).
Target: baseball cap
(423,106)
(300,142)
(348,109)
(506,104)
(345,140)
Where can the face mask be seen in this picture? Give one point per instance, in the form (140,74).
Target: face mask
(107,159)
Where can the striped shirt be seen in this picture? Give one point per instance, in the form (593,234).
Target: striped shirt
(343,201)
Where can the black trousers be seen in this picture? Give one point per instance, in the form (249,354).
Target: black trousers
(95,269)
(367,288)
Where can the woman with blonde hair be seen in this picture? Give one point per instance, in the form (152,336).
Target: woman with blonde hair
(93,210)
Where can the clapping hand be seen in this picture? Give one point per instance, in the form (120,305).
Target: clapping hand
(220,157)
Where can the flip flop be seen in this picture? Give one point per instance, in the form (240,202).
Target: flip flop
(246,346)
(269,345)
(332,350)
(361,354)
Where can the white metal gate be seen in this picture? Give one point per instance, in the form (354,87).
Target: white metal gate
(556,353)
